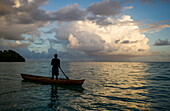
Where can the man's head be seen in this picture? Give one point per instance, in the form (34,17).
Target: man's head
(55,55)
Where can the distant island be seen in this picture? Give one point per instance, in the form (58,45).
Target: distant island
(10,56)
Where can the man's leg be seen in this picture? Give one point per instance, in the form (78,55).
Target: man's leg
(53,73)
(56,77)
(57,73)
(52,76)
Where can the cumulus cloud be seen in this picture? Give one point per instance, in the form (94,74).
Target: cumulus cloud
(92,39)
(24,17)
(99,31)
(20,17)
(160,42)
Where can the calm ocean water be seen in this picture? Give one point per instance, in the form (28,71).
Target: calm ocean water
(120,86)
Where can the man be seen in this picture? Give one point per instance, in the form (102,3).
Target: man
(55,62)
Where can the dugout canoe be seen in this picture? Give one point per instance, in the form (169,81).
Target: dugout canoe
(48,80)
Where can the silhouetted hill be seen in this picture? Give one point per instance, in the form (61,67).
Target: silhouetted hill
(10,56)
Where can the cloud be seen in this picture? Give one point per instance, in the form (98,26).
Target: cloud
(21,17)
(101,20)
(5,44)
(92,39)
(70,13)
(74,43)
(86,42)
(160,42)
(47,56)
(106,8)
(4,8)
(24,17)
(129,7)
(154,27)
(100,31)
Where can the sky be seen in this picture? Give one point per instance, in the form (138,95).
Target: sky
(87,30)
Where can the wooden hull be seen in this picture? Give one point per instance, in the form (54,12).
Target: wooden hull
(48,80)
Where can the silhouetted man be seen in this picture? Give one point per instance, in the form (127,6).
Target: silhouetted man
(55,62)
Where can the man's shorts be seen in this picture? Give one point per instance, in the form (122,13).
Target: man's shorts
(55,71)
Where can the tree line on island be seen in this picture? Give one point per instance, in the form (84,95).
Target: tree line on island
(10,56)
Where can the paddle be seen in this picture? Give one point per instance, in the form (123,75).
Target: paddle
(63,73)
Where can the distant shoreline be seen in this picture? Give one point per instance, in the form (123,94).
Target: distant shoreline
(10,56)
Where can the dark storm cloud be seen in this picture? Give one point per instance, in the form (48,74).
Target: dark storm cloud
(160,42)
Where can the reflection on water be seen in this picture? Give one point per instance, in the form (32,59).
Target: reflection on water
(108,86)
(54,98)
(55,101)
(119,86)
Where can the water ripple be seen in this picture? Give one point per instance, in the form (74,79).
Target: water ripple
(120,86)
